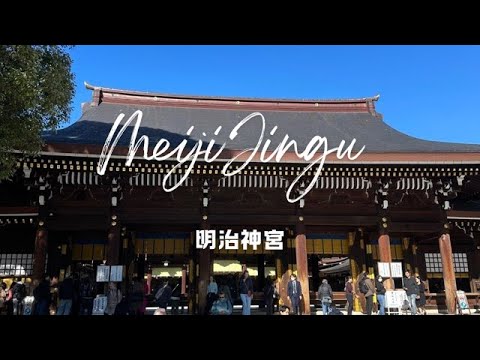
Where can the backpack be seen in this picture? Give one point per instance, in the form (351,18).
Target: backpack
(335,311)
(19,291)
(363,287)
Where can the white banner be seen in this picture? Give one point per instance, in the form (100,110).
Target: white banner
(99,305)
(116,273)
(396,270)
(103,273)
(387,270)
(384,269)
(395,298)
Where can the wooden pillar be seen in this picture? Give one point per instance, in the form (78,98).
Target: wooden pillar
(278,267)
(192,272)
(113,252)
(204,274)
(281,263)
(358,264)
(40,253)
(474,261)
(184,280)
(407,255)
(315,275)
(448,272)
(149,282)
(385,255)
(302,265)
(141,266)
(203,279)
(261,275)
(261,271)
(419,260)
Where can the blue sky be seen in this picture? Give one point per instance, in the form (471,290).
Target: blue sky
(431,92)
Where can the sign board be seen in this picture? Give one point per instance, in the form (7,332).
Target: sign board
(462,302)
(116,273)
(103,273)
(384,269)
(28,305)
(395,298)
(99,305)
(396,269)
(476,285)
(387,270)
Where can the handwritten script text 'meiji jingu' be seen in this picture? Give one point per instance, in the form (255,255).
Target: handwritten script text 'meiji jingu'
(315,152)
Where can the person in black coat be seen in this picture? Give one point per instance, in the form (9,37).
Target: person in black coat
(268,294)
(421,299)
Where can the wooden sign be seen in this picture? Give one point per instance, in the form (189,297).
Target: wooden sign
(384,269)
(28,305)
(116,273)
(103,273)
(393,269)
(462,302)
(395,298)
(99,305)
(396,269)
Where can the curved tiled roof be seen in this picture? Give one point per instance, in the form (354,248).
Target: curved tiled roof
(170,117)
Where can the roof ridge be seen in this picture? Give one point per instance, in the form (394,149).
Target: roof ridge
(98,89)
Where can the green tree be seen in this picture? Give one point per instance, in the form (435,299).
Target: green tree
(36,89)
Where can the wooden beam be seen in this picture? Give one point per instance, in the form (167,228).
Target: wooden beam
(448,272)
(413,227)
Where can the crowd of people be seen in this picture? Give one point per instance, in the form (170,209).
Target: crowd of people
(75,296)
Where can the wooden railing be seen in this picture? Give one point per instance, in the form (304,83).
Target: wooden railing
(437,300)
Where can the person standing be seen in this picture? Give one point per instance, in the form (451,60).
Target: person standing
(246,292)
(65,294)
(294,292)
(212,291)
(325,295)
(349,294)
(380,294)
(421,299)
(411,287)
(19,293)
(268,293)
(43,297)
(114,296)
(3,297)
(358,290)
(369,294)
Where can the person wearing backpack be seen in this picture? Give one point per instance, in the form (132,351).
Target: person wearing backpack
(19,293)
(359,287)
(325,295)
(370,287)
